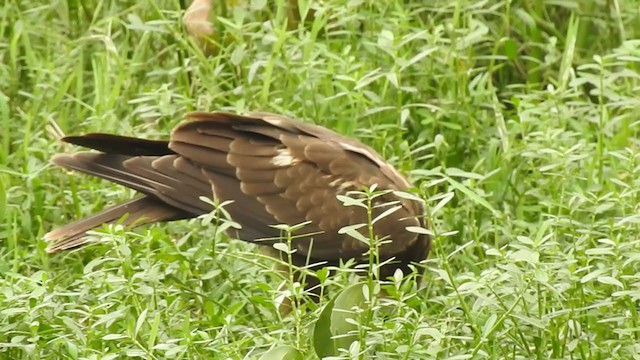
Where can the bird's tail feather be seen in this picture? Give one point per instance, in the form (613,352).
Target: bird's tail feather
(107,166)
(110,165)
(123,145)
(140,211)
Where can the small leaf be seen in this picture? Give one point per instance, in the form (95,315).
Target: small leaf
(136,353)
(404,116)
(282,227)
(610,281)
(398,276)
(445,199)
(408,196)
(419,230)
(354,234)
(349,201)
(237,55)
(386,213)
(253,70)
(488,326)
(347,228)
(322,274)
(281,247)
(95,262)
(124,250)
(393,79)
(421,55)
(258,5)
(385,40)
(531,257)
(592,275)
(525,240)
(464,174)
(72,350)
(299,226)
(141,319)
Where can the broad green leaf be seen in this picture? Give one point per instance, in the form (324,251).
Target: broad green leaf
(321,335)
(344,319)
(282,353)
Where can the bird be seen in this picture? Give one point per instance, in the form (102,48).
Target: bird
(270,170)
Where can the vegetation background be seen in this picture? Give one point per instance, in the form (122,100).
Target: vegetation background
(518,120)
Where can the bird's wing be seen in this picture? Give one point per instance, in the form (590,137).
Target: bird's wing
(282,171)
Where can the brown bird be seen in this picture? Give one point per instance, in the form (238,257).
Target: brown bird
(276,170)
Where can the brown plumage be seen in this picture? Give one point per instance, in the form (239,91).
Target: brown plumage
(276,170)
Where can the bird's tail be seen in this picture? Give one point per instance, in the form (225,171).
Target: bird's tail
(109,164)
(139,211)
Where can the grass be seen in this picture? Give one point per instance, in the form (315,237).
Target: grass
(518,120)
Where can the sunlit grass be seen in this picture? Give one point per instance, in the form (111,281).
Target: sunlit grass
(518,120)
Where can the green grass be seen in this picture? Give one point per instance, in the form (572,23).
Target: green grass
(517,119)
